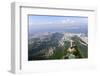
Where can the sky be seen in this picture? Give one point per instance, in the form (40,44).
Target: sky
(42,23)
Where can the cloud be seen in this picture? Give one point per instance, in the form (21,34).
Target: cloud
(64,21)
(72,21)
(49,23)
(67,21)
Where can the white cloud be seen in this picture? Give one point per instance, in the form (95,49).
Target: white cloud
(65,21)
(49,22)
(72,21)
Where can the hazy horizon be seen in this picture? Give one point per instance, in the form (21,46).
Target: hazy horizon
(57,24)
